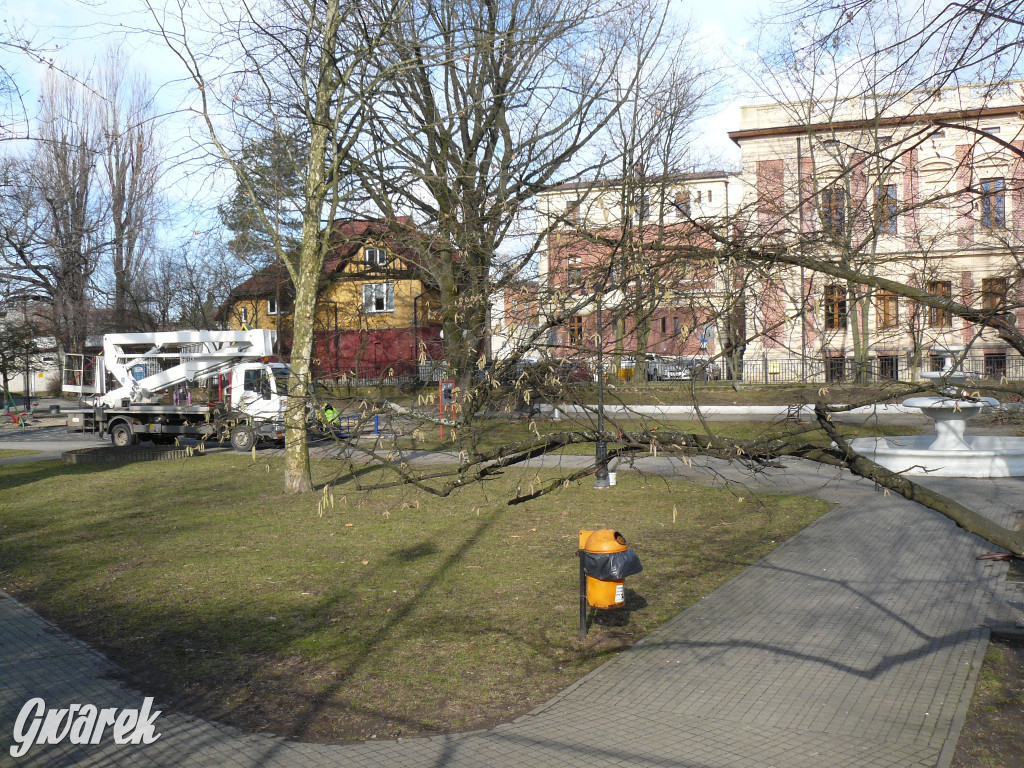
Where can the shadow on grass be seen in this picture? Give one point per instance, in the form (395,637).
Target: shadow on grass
(24,473)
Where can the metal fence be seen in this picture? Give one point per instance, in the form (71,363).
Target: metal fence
(394,375)
(774,370)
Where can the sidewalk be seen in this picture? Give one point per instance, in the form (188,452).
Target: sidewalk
(856,643)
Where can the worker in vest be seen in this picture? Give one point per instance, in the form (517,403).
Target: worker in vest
(329,415)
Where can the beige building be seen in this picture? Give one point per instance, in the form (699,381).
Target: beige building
(612,233)
(924,189)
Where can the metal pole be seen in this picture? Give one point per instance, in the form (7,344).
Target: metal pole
(601,448)
(583,597)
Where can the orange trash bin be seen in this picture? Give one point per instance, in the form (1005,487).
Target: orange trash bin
(607,561)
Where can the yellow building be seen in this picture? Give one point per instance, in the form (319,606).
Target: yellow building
(376,313)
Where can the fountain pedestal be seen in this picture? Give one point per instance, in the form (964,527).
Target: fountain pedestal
(950,453)
(950,417)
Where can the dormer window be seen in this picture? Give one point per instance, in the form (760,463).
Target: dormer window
(376,257)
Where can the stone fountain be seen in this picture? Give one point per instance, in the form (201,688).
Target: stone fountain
(949,452)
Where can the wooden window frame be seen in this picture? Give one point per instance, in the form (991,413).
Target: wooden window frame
(575,330)
(886,218)
(994,291)
(887,310)
(574,270)
(940,317)
(993,203)
(836,306)
(832,209)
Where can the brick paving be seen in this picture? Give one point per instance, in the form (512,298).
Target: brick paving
(852,644)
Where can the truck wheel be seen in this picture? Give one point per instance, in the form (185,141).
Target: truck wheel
(122,436)
(243,438)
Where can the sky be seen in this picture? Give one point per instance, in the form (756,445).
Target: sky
(730,31)
(78,31)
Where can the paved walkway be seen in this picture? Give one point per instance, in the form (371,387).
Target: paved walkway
(855,643)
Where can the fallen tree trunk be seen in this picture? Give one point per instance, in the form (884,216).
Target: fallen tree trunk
(964,517)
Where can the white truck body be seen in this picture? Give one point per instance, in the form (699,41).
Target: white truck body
(147,366)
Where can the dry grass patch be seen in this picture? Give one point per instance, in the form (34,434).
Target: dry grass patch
(392,613)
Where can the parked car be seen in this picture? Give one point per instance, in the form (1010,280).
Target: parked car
(682,369)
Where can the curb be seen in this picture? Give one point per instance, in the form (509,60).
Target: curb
(111,455)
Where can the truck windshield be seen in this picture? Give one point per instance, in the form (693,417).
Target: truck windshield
(281,379)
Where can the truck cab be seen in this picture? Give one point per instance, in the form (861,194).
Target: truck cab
(259,390)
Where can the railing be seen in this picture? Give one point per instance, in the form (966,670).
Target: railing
(789,370)
(404,373)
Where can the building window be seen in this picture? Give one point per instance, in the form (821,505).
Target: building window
(675,325)
(995,365)
(575,271)
(833,210)
(376,257)
(835,307)
(682,204)
(889,367)
(886,310)
(378,297)
(940,317)
(575,330)
(243,315)
(271,306)
(993,293)
(885,209)
(709,195)
(572,211)
(663,324)
(643,208)
(993,204)
(835,369)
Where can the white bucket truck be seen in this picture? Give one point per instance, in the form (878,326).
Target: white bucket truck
(146,367)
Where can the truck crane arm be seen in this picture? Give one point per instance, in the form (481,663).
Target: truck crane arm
(172,357)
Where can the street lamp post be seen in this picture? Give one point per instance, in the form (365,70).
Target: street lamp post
(601,447)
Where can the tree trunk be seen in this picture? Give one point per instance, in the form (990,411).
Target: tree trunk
(306,274)
(297,475)
(964,517)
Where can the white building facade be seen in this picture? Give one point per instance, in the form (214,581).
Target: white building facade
(923,189)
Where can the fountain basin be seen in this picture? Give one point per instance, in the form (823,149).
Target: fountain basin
(982,456)
(950,416)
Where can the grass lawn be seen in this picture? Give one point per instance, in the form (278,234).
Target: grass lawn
(5,452)
(993,733)
(393,613)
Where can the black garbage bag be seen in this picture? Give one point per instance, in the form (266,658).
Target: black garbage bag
(611,566)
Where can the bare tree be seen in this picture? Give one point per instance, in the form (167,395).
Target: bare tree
(494,102)
(132,160)
(53,222)
(293,68)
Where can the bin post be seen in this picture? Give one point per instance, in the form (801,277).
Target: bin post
(584,535)
(583,597)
